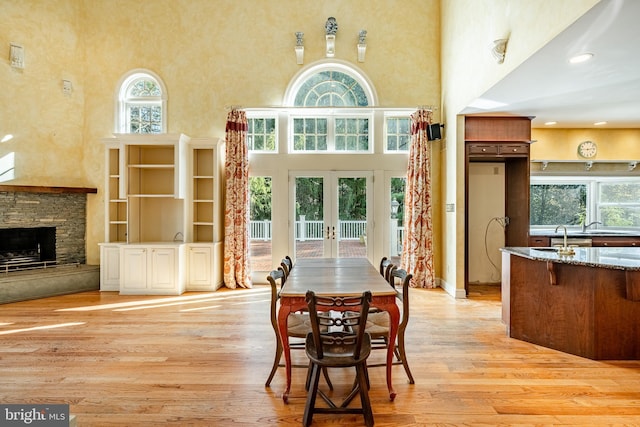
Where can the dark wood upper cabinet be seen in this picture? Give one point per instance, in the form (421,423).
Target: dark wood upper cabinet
(497,129)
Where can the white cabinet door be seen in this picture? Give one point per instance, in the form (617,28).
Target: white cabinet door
(162,269)
(200,268)
(133,270)
(109,268)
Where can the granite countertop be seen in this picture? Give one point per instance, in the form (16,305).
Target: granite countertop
(620,258)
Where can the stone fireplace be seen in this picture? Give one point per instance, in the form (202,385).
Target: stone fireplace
(41,227)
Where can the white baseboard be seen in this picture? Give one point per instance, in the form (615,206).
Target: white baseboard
(451,289)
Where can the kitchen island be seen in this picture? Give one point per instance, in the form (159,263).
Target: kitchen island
(587,304)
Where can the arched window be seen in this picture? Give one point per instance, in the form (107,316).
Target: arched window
(141,103)
(330,84)
(347,128)
(331,89)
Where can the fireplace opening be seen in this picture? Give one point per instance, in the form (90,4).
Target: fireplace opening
(22,248)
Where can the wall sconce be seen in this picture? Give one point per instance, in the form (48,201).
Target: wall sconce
(331,28)
(498,50)
(16,55)
(299,47)
(362,45)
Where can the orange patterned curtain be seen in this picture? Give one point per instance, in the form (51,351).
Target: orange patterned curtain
(236,214)
(417,246)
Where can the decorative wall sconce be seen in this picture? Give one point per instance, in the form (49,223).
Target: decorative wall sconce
(362,45)
(331,28)
(16,56)
(299,47)
(498,50)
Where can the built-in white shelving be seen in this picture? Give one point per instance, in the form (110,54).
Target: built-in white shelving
(164,198)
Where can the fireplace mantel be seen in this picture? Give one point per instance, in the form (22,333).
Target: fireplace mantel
(45,189)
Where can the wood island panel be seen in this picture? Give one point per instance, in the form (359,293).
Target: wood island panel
(588,312)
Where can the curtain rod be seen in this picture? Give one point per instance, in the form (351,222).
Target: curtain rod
(377,107)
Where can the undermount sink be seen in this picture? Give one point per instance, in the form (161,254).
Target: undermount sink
(546,249)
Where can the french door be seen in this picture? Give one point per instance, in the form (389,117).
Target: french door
(332,214)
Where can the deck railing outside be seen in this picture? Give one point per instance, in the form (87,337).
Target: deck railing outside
(315,230)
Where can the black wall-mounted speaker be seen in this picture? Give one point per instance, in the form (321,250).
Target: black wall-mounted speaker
(433,132)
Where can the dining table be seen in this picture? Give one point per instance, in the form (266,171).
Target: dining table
(336,277)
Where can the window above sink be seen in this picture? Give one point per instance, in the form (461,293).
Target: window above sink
(614,202)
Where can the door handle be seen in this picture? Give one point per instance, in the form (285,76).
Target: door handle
(327,232)
(334,233)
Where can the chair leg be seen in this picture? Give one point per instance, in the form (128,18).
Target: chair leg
(325,372)
(307,382)
(366,374)
(311,396)
(355,390)
(403,356)
(364,394)
(276,362)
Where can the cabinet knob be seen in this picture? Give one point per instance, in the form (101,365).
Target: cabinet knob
(605,244)
(484,149)
(515,149)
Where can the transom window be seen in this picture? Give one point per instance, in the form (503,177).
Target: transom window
(309,134)
(261,133)
(398,133)
(141,104)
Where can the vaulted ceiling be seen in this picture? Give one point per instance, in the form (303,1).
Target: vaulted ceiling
(605,88)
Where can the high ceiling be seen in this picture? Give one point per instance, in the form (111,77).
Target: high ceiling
(605,88)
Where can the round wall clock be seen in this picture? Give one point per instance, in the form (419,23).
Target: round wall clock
(587,149)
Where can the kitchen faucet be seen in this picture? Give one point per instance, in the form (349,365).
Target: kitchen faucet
(564,250)
(585,226)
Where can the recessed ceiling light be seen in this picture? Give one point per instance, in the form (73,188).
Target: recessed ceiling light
(550,123)
(599,123)
(580,58)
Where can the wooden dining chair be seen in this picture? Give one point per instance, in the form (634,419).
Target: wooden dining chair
(338,342)
(378,323)
(298,326)
(385,267)
(287,265)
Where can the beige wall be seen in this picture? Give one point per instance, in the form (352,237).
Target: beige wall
(47,125)
(210,54)
(468,70)
(562,144)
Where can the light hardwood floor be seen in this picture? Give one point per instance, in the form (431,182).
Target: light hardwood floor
(201,359)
